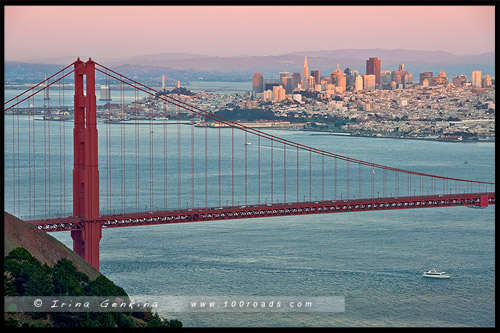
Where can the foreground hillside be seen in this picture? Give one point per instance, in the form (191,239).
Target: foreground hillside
(41,245)
(36,264)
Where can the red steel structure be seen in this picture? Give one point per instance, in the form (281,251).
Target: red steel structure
(85,173)
(86,222)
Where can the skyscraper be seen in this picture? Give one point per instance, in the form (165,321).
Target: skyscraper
(476,79)
(258,82)
(373,68)
(316,73)
(369,81)
(306,74)
(282,76)
(296,79)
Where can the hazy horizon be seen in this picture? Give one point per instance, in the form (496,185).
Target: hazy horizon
(113,32)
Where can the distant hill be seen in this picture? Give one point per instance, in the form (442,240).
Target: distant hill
(185,66)
(41,245)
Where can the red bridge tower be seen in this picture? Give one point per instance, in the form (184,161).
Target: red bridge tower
(85,171)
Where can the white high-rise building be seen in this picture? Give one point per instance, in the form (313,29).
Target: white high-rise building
(476,79)
(369,81)
(358,84)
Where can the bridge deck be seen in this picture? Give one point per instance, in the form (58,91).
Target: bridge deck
(268,210)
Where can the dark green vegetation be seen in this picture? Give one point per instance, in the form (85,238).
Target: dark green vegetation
(324,123)
(24,275)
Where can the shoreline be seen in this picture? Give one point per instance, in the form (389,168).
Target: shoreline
(317,133)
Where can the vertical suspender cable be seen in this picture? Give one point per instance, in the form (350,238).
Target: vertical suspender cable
(335,180)
(272,173)
(246,167)
(258,167)
(297,178)
(165,184)
(192,164)
(310,176)
(179,159)
(284,172)
(48,131)
(232,166)
(206,163)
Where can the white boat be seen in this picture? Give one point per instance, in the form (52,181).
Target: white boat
(248,143)
(435,274)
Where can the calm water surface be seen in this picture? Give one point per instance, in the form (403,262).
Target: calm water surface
(373,259)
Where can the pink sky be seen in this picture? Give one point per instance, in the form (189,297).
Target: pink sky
(38,32)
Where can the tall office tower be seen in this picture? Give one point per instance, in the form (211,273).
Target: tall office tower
(351,75)
(268,85)
(401,67)
(306,75)
(341,83)
(296,78)
(358,85)
(311,82)
(258,82)
(316,73)
(486,81)
(476,79)
(287,84)
(386,78)
(373,68)
(282,76)
(425,75)
(336,74)
(369,81)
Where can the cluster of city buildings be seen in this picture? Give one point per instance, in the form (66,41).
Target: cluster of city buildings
(350,79)
(378,103)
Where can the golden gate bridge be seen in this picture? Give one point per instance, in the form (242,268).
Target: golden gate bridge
(277,177)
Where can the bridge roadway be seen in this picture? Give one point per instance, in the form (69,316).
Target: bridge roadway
(476,200)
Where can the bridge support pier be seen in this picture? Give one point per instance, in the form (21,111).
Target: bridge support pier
(85,170)
(86,242)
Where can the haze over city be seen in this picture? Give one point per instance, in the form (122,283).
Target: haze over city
(110,32)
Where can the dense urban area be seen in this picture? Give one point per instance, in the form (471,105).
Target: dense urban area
(379,103)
